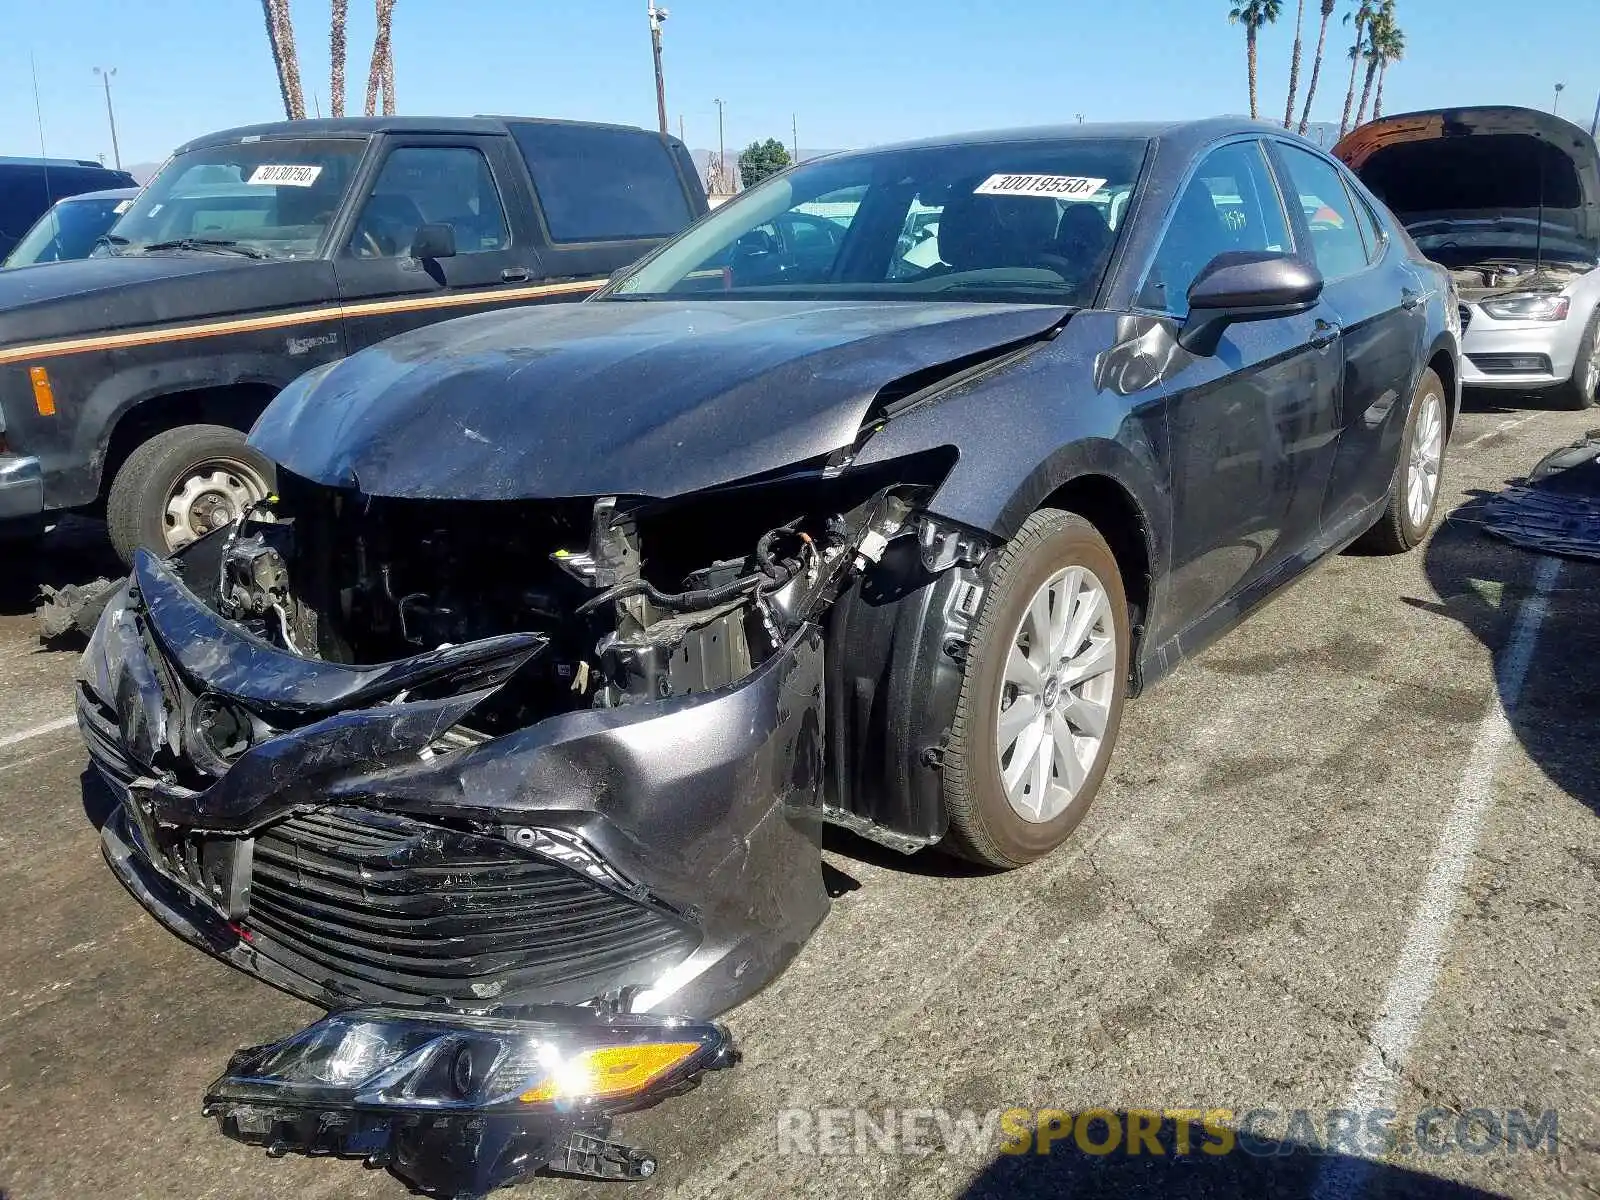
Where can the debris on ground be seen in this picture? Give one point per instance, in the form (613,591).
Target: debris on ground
(70,613)
(1557,511)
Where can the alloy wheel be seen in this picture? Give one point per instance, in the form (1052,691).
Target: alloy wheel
(1427,457)
(1056,694)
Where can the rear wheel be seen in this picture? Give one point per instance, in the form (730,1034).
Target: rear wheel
(1042,694)
(182,484)
(1414,494)
(1579,391)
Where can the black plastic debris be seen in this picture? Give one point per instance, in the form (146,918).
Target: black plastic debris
(71,612)
(1557,511)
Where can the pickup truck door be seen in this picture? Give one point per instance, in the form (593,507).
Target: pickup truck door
(473,184)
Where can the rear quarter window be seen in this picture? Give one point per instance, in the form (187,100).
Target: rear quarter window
(602,185)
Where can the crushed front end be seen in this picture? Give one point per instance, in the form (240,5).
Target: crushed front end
(584,775)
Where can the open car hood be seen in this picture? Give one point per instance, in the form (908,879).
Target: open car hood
(650,398)
(1487,165)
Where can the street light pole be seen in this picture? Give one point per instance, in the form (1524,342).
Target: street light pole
(722,149)
(1560,87)
(658,15)
(795,125)
(105,78)
(1594,126)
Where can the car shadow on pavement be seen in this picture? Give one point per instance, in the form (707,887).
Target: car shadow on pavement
(1278,1170)
(1483,582)
(74,552)
(1501,401)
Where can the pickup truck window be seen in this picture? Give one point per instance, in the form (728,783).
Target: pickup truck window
(272,198)
(598,185)
(421,185)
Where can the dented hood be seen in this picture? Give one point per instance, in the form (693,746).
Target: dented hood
(650,398)
(1481,165)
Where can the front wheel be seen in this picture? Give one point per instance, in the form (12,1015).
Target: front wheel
(1579,391)
(1041,697)
(181,485)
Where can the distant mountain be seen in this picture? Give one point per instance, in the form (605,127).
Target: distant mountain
(142,172)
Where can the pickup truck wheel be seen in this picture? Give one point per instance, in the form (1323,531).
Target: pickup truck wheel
(1041,700)
(182,484)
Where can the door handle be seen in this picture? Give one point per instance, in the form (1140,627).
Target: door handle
(1410,300)
(1325,336)
(515,275)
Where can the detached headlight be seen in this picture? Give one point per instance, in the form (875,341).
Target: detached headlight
(463,1103)
(1527,306)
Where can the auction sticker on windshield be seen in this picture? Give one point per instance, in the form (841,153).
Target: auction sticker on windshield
(285,173)
(1038,185)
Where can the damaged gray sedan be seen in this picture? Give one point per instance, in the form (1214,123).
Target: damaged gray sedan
(506,732)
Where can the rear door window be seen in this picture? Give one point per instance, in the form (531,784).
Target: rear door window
(1336,239)
(598,185)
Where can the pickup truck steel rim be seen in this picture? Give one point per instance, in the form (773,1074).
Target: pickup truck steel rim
(1427,452)
(1055,699)
(207,497)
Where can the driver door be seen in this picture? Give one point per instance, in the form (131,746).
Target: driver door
(465,182)
(1253,427)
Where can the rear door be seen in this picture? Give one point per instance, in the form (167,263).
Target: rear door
(606,194)
(1253,426)
(469,183)
(1380,308)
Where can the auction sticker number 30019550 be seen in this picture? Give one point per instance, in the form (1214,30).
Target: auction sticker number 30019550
(1066,187)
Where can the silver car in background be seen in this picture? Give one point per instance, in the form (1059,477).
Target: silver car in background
(1508,200)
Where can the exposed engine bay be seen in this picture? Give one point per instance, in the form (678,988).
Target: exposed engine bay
(1481,280)
(637,602)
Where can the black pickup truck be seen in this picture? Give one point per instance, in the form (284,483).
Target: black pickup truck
(129,379)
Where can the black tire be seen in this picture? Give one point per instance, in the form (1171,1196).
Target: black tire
(136,504)
(1396,532)
(984,827)
(1579,392)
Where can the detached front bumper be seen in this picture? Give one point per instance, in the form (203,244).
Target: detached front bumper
(1521,355)
(655,858)
(21,495)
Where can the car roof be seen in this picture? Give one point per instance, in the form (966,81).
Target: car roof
(105,194)
(1181,135)
(367,126)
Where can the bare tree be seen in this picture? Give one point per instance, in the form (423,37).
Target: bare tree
(380,79)
(336,52)
(280,36)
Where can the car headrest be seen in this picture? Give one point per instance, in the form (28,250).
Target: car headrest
(978,231)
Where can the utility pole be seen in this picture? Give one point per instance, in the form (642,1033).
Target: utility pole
(722,149)
(1594,125)
(794,119)
(105,78)
(681,136)
(1560,87)
(658,15)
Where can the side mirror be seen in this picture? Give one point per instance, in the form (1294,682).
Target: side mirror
(434,241)
(1246,285)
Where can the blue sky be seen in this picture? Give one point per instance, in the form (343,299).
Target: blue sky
(856,73)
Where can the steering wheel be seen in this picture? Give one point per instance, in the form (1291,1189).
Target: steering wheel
(368,245)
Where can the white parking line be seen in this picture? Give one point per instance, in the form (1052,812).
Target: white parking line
(1502,428)
(1377,1081)
(12,739)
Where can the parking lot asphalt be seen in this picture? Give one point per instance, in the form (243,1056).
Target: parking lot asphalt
(1351,854)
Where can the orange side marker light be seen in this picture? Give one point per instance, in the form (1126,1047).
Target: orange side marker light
(44,396)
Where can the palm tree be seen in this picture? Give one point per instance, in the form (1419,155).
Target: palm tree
(1253,14)
(380,78)
(1316,64)
(1365,9)
(280,36)
(1390,41)
(336,52)
(1379,21)
(1294,63)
